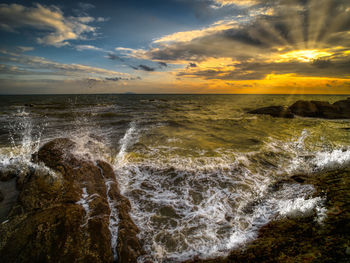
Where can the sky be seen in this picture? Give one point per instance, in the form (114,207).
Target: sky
(175,46)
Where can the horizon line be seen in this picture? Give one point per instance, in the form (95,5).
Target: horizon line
(132,93)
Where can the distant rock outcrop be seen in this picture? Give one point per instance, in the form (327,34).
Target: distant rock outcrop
(315,109)
(65,215)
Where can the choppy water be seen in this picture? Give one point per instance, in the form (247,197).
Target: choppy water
(196,168)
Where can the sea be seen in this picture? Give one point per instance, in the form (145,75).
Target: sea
(191,165)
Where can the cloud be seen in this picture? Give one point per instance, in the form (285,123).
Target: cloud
(87,47)
(122,78)
(113,56)
(114,79)
(187,36)
(163,64)
(24,49)
(38,66)
(306,38)
(145,68)
(85,6)
(191,65)
(260,70)
(102,19)
(58,29)
(222,3)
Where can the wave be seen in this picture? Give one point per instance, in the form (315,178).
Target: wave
(195,204)
(206,206)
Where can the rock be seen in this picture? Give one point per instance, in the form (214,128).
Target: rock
(315,109)
(275,111)
(1,197)
(322,109)
(8,173)
(344,106)
(62,212)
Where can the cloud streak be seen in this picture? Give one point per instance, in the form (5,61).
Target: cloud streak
(38,66)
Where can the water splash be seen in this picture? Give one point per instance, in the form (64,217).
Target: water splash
(129,137)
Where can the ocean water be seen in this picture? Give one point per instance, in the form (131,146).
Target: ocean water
(196,168)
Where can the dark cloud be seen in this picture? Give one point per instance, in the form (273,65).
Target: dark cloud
(114,79)
(322,63)
(121,78)
(163,64)
(145,68)
(191,65)
(113,56)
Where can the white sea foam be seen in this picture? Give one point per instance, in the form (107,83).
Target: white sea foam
(209,205)
(113,220)
(84,201)
(86,198)
(332,159)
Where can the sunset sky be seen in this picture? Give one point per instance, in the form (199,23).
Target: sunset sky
(175,46)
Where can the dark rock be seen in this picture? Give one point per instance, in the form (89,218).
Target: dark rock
(315,109)
(344,106)
(274,111)
(322,109)
(48,222)
(8,173)
(1,197)
(304,108)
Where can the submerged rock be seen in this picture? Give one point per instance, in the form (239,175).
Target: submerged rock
(274,111)
(63,212)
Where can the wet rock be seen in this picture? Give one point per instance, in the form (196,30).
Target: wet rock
(344,106)
(322,109)
(8,173)
(303,239)
(274,111)
(62,212)
(315,109)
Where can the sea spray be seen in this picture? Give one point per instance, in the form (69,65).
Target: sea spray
(125,142)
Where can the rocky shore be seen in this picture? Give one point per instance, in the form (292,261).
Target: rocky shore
(70,210)
(67,212)
(314,109)
(302,239)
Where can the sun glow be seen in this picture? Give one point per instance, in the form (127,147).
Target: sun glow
(304,55)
